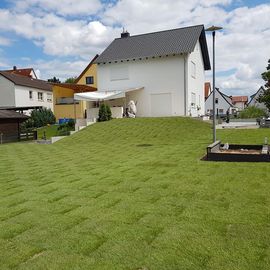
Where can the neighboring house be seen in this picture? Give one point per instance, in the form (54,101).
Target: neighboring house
(22,91)
(27,72)
(63,100)
(207,90)
(254,99)
(10,125)
(89,74)
(223,103)
(240,102)
(168,66)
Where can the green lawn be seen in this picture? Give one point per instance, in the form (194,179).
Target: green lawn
(50,131)
(133,194)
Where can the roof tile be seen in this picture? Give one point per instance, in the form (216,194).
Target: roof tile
(169,42)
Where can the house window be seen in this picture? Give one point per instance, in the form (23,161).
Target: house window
(30,94)
(216,101)
(40,96)
(89,80)
(193,69)
(49,97)
(220,111)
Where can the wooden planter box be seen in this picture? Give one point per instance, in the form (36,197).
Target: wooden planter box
(237,153)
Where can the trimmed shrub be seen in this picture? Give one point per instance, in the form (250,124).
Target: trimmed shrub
(42,117)
(65,128)
(252,112)
(71,124)
(104,113)
(27,125)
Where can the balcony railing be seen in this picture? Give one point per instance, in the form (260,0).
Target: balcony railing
(66,101)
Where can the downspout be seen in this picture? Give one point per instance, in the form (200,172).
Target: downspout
(185,86)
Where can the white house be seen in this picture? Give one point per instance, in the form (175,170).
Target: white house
(240,102)
(165,69)
(254,99)
(23,91)
(223,103)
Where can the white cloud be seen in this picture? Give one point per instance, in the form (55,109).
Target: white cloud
(59,36)
(59,68)
(63,7)
(243,46)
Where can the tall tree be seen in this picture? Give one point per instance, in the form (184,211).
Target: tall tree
(265,97)
(54,80)
(70,80)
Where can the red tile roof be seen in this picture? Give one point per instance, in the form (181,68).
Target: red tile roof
(236,99)
(77,88)
(22,71)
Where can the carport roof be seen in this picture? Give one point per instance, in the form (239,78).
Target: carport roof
(6,114)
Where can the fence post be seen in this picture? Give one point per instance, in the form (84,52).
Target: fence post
(35,134)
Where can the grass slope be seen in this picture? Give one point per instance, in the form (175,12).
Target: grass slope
(101,200)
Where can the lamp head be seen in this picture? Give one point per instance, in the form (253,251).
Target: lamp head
(213,28)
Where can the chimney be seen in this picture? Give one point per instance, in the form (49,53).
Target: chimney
(125,34)
(14,68)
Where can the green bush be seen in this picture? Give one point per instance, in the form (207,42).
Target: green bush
(252,112)
(65,128)
(104,113)
(71,124)
(27,126)
(42,117)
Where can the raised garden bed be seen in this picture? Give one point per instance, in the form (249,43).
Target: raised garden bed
(237,152)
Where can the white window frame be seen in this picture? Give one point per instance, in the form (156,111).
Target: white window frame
(42,96)
(49,97)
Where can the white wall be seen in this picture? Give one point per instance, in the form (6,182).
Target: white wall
(240,105)
(196,83)
(22,97)
(157,76)
(221,105)
(7,93)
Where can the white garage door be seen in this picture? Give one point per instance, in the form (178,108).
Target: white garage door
(161,104)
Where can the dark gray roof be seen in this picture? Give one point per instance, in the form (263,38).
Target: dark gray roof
(6,114)
(254,95)
(169,42)
(225,97)
(26,81)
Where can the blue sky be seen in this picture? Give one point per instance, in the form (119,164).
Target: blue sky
(59,38)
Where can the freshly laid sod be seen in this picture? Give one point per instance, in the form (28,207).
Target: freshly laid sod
(50,131)
(134,194)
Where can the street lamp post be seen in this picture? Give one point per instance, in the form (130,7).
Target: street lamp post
(213,29)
